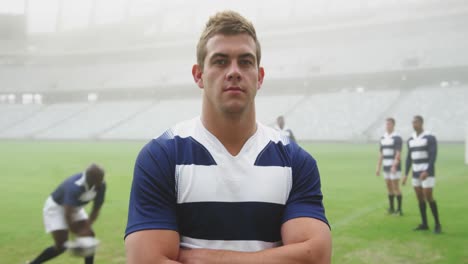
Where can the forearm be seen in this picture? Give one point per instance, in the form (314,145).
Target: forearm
(379,163)
(93,215)
(432,156)
(69,218)
(310,252)
(408,164)
(396,161)
(157,260)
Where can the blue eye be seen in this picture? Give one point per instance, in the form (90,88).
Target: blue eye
(246,62)
(221,62)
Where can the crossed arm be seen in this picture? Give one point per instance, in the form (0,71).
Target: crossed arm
(306,240)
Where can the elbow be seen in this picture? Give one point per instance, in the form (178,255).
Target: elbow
(318,251)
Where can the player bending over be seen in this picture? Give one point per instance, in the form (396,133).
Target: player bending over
(64,212)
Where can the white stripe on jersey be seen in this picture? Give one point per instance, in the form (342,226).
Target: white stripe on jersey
(421,154)
(222,183)
(418,142)
(420,167)
(388,152)
(236,245)
(387,140)
(387,162)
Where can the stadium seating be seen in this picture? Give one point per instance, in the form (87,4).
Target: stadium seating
(156,119)
(444,110)
(10,114)
(43,119)
(96,118)
(347,115)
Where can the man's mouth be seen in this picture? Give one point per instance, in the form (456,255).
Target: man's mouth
(234,89)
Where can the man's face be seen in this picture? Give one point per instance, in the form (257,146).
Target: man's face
(389,126)
(230,77)
(417,124)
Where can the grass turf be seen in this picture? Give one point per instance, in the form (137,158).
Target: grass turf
(355,201)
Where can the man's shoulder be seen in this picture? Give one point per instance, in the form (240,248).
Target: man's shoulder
(429,135)
(283,142)
(180,144)
(274,135)
(75,180)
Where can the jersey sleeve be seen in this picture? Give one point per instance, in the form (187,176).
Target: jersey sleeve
(408,159)
(305,198)
(398,143)
(152,196)
(432,153)
(99,199)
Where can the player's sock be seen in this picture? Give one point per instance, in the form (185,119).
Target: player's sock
(422,210)
(435,212)
(399,199)
(391,199)
(47,254)
(89,260)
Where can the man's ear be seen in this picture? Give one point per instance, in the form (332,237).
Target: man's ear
(261,75)
(197,73)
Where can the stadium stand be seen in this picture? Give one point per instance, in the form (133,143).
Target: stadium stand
(10,114)
(338,116)
(47,117)
(156,119)
(96,118)
(444,110)
(328,116)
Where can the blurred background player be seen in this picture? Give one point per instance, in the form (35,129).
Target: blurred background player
(280,126)
(64,212)
(390,157)
(422,153)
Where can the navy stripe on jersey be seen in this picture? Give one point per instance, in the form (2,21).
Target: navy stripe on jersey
(274,154)
(189,151)
(420,161)
(389,145)
(231,221)
(422,154)
(185,181)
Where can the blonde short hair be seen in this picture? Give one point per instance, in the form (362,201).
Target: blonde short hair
(226,23)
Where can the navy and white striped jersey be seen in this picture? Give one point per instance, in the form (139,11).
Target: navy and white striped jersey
(422,153)
(74,191)
(186,181)
(389,145)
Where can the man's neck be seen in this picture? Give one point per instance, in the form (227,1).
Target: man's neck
(231,130)
(419,132)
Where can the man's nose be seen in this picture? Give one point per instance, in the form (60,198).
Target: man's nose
(234,72)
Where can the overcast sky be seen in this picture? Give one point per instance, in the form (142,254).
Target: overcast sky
(43,14)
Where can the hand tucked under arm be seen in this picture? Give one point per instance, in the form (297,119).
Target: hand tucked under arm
(152,247)
(306,240)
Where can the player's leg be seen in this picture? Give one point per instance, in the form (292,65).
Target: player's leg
(54,222)
(391,196)
(422,204)
(84,229)
(397,193)
(60,237)
(428,185)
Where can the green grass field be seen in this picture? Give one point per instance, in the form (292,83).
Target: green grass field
(355,201)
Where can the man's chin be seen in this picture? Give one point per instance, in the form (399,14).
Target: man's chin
(235,108)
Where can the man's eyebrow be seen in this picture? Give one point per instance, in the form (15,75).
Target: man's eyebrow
(245,55)
(219,54)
